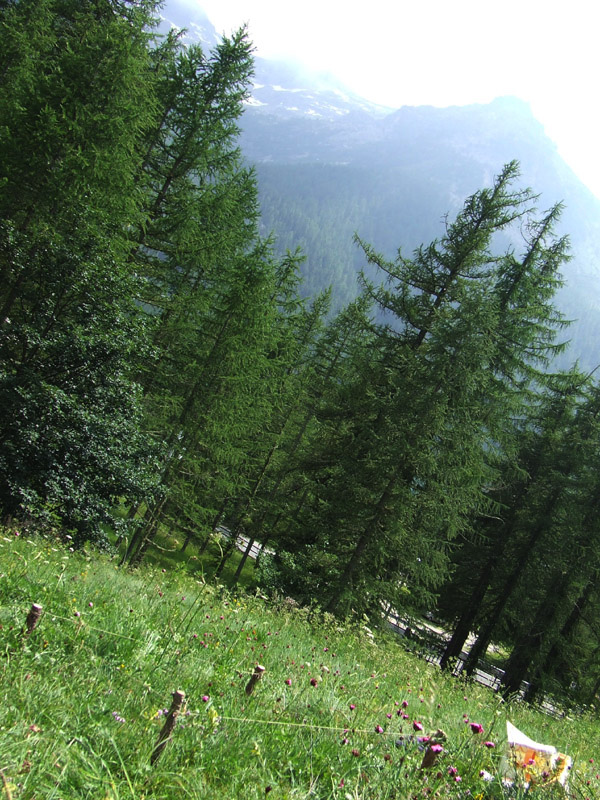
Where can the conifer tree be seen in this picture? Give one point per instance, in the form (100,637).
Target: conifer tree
(570,555)
(77,101)
(203,270)
(408,466)
(524,502)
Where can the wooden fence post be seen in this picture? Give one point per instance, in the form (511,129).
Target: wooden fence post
(35,612)
(254,679)
(167,729)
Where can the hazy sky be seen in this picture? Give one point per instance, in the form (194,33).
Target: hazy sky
(446,52)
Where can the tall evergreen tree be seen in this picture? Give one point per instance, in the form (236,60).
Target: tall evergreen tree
(525,494)
(77,102)
(570,555)
(213,292)
(408,466)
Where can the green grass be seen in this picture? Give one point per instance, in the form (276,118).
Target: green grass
(165,551)
(83,696)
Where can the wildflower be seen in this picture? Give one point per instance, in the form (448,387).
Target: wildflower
(314,682)
(118,717)
(90,604)
(417,726)
(378,729)
(352,706)
(355,751)
(489,745)
(405,704)
(288,681)
(205,698)
(452,771)
(476,727)
(436,748)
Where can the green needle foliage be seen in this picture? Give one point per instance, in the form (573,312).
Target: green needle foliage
(161,372)
(408,442)
(75,105)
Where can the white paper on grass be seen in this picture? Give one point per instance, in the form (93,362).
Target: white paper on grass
(518,738)
(532,763)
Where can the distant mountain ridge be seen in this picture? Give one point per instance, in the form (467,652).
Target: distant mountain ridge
(330,164)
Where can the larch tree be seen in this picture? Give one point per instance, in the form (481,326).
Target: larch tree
(410,464)
(76,104)
(211,291)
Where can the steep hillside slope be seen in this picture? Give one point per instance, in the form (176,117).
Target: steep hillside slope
(331,164)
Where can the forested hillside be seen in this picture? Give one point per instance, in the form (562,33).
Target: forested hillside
(330,165)
(162,368)
(392,179)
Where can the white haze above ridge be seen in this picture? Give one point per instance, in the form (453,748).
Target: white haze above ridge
(440,53)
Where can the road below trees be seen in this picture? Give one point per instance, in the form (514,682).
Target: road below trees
(242,542)
(429,643)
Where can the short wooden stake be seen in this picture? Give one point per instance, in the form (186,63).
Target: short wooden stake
(167,729)
(6,786)
(434,749)
(254,679)
(35,612)
(430,758)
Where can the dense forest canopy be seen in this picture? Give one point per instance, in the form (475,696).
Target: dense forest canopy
(161,368)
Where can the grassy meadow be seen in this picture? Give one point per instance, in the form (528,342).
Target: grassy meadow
(339,711)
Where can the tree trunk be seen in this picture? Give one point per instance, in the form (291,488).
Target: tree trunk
(552,656)
(532,640)
(465,623)
(363,541)
(243,560)
(227,552)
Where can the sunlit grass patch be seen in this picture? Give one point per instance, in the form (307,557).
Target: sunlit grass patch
(336,714)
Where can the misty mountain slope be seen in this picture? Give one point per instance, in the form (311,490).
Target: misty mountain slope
(331,164)
(393,179)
